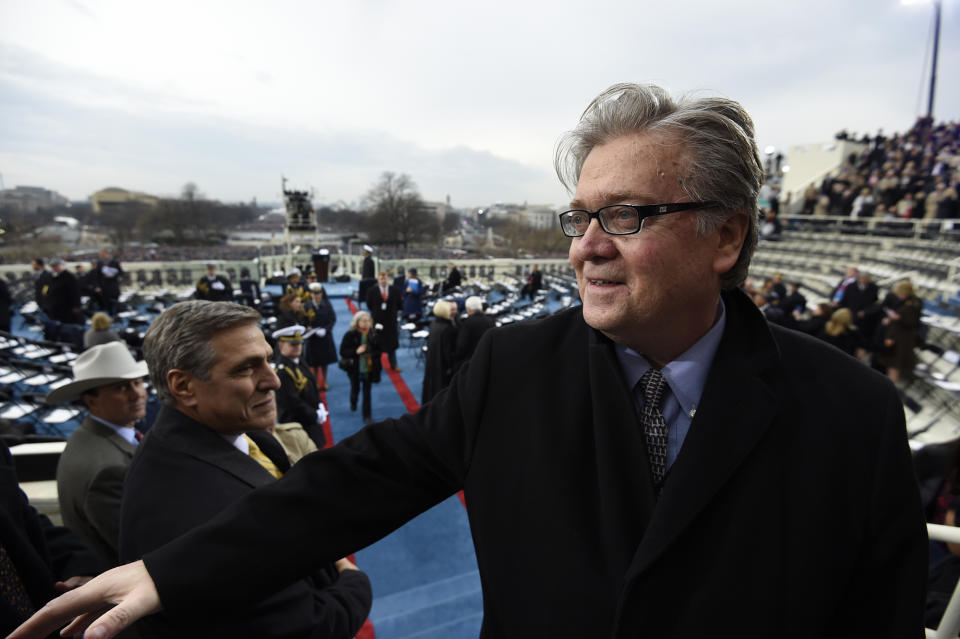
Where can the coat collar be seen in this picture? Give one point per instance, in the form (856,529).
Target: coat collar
(191,438)
(108,434)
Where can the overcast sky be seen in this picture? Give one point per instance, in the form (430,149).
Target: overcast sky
(469,99)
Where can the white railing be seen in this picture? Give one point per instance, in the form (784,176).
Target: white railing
(950,622)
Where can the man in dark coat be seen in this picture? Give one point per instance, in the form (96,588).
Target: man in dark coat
(107,276)
(639,465)
(534,282)
(214,287)
(441,350)
(471,330)
(298,399)
(368,274)
(384,302)
(198,459)
(37,559)
(64,295)
(454,278)
(41,284)
(860,297)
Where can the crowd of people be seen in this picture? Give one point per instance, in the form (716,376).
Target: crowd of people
(638,465)
(914,175)
(881,331)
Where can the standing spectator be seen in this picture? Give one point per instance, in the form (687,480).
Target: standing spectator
(99,331)
(454,278)
(214,287)
(441,350)
(534,282)
(5,301)
(384,303)
(810,198)
(249,288)
(864,204)
(64,295)
(794,302)
(290,310)
(413,297)
(860,297)
(321,350)
(851,276)
(471,330)
(42,278)
(107,277)
(900,331)
(368,274)
(360,353)
(297,398)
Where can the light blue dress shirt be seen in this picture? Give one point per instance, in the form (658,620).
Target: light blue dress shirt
(686,376)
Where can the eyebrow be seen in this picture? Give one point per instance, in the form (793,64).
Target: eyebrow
(253,360)
(612,197)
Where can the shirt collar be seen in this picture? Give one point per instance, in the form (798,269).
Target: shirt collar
(685,374)
(239,442)
(129,433)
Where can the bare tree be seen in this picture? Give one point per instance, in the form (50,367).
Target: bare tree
(399,216)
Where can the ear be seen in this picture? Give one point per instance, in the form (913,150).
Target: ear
(182,385)
(730,237)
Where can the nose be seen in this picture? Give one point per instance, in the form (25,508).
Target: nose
(595,243)
(270,381)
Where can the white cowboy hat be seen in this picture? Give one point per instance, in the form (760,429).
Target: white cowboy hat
(99,366)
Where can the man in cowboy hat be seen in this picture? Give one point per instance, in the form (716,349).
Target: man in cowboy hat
(109,383)
(297,398)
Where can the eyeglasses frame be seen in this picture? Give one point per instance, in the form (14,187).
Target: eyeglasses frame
(643,212)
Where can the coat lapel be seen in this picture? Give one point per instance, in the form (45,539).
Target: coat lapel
(625,489)
(201,443)
(738,405)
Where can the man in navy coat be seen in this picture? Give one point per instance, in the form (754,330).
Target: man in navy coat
(762,487)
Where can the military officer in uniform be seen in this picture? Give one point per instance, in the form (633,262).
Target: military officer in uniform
(298,399)
(214,287)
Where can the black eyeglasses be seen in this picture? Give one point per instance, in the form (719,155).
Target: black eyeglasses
(622,219)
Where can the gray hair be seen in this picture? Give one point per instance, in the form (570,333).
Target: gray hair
(180,338)
(474,303)
(722,162)
(359,315)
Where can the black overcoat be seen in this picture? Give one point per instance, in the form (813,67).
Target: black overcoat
(182,475)
(385,313)
(791,510)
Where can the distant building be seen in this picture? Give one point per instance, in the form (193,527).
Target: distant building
(113,196)
(27,199)
(538,216)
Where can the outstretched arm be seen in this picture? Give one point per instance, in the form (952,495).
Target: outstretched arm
(102,607)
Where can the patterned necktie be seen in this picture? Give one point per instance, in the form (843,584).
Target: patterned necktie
(652,386)
(258,456)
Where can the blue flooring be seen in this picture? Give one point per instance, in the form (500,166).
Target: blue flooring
(424,575)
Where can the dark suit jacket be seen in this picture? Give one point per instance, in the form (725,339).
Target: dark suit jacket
(790,510)
(41,552)
(389,336)
(64,298)
(469,333)
(183,475)
(90,478)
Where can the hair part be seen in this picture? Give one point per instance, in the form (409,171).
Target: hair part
(180,338)
(721,161)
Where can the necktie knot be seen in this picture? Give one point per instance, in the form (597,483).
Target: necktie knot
(651,386)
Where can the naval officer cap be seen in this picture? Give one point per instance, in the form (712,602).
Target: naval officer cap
(290,334)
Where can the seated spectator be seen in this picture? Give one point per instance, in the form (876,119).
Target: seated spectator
(840,332)
(99,331)
(249,288)
(93,466)
(39,560)
(200,458)
(441,350)
(794,303)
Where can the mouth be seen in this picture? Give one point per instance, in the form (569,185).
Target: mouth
(603,283)
(266,403)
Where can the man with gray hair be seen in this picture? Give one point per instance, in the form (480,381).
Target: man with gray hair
(657,462)
(470,331)
(208,448)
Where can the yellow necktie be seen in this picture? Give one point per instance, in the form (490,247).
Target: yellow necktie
(257,455)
